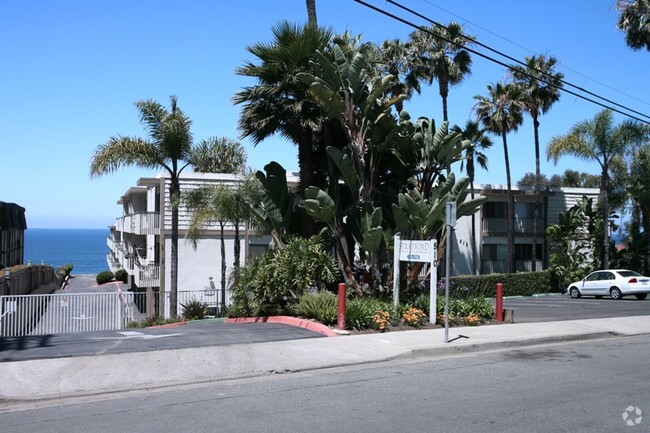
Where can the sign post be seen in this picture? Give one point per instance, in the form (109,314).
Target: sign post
(450,222)
(416,251)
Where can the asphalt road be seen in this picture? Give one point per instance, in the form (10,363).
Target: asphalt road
(194,334)
(592,386)
(553,308)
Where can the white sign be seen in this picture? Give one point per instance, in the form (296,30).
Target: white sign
(417,251)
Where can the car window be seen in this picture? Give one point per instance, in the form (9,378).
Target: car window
(594,277)
(608,276)
(627,274)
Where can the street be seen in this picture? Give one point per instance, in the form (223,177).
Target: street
(577,387)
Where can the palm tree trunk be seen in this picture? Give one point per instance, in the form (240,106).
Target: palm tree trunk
(223,268)
(604,192)
(510,207)
(311,13)
(474,264)
(174,194)
(536,188)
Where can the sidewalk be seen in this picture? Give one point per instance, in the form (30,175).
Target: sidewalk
(88,375)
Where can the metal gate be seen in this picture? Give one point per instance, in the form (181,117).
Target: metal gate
(65,313)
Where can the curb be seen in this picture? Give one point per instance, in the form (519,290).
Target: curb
(287,320)
(508,344)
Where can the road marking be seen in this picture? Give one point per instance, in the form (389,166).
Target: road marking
(132,335)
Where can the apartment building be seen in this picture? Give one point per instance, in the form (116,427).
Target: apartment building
(140,243)
(12,234)
(490,228)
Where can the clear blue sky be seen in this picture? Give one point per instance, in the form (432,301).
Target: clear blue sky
(72,69)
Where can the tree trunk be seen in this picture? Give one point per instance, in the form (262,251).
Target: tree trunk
(311,13)
(604,193)
(536,188)
(473,238)
(223,268)
(645,222)
(174,193)
(510,206)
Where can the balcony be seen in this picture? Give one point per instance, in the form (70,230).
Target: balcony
(521,225)
(499,266)
(147,275)
(139,223)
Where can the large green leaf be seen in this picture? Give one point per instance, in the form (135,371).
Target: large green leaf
(319,205)
(346,167)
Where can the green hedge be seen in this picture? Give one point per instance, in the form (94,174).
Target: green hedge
(520,283)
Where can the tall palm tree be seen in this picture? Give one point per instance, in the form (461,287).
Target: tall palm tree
(394,57)
(599,140)
(208,205)
(218,155)
(500,112)
(474,154)
(168,146)
(279,103)
(439,54)
(541,87)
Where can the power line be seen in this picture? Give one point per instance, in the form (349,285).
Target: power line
(532,52)
(505,65)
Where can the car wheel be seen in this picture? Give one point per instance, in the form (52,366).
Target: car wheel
(615,293)
(641,296)
(574,292)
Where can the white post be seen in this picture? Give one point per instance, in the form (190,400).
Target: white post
(433,281)
(396,263)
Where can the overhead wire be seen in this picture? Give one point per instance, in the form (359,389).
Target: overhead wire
(505,65)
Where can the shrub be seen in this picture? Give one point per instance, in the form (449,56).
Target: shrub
(195,310)
(520,283)
(105,277)
(68,268)
(360,312)
(152,321)
(321,306)
(278,279)
(121,275)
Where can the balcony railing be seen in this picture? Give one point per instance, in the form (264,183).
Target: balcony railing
(147,276)
(499,266)
(521,225)
(140,223)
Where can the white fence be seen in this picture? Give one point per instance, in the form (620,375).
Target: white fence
(65,313)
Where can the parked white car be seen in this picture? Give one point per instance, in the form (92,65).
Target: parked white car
(615,283)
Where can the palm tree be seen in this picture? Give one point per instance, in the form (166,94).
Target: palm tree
(394,58)
(541,87)
(168,147)
(635,22)
(600,140)
(279,103)
(476,135)
(218,155)
(209,204)
(501,112)
(439,54)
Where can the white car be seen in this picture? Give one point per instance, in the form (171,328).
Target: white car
(615,283)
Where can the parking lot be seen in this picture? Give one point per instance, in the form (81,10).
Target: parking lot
(562,307)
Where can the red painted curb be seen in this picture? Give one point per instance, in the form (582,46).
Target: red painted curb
(287,320)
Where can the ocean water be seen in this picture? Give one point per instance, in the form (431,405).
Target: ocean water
(86,249)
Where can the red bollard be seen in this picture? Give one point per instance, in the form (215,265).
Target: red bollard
(499,306)
(342,298)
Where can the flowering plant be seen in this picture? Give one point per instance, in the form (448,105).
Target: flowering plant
(381,319)
(413,316)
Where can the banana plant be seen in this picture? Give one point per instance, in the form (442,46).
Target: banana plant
(275,205)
